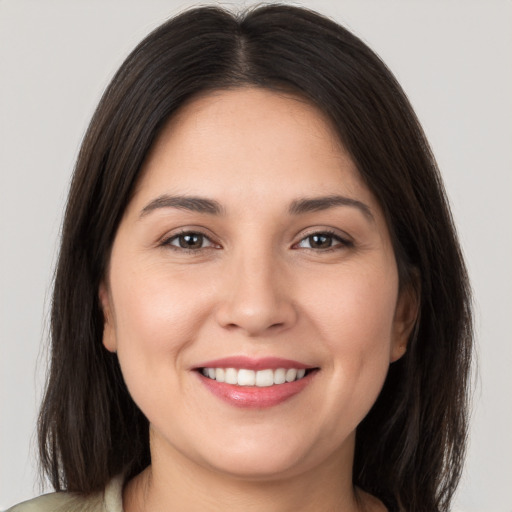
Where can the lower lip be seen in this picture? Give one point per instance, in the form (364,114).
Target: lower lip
(253,396)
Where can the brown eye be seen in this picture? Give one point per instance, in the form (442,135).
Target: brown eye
(190,241)
(323,241)
(320,241)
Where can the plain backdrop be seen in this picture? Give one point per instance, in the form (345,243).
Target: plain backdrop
(454,60)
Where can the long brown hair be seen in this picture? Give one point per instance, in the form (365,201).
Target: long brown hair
(410,447)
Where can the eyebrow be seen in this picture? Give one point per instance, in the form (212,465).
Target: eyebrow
(316,204)
(190,203)
(212,207)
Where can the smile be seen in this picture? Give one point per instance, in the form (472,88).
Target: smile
(255,383)
(261,378)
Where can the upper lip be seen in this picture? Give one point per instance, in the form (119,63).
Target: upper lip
(249,363)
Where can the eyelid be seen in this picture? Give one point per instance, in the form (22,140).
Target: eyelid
(343,238)
(165,241)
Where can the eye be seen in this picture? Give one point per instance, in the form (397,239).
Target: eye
(190,240)
(323,241)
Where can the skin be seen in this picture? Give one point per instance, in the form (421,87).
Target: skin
(257,286)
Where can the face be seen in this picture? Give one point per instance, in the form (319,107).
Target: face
(252,292)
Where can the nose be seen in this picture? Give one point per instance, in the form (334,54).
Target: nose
(257,296)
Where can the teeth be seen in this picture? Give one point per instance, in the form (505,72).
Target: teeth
(280,376)
(220,374)
(291,375)
(246,378)
(264,378)
(231,376)
(261,378)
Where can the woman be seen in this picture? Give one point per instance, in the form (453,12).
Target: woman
(260,301)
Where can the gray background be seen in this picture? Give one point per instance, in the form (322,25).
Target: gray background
(453,58)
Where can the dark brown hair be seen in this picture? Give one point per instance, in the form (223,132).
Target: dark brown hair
(410,447)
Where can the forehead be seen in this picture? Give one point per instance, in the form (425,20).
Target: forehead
(249,139)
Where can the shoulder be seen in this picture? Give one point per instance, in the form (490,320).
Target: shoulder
(110,500)
(61,501)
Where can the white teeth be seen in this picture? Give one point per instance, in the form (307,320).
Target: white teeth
(231,376)
(264,378)
(261,378)
(291,374)
(280,376)
(220,374)
(246,378)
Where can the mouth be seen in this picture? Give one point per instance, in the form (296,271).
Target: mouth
(261,383)
(261,378)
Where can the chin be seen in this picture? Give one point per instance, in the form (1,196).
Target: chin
(259,467)
(267,456)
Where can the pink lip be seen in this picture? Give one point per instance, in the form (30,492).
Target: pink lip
(248,363)
(254,397)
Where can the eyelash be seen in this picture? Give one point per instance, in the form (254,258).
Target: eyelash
(168,242)
(341,242)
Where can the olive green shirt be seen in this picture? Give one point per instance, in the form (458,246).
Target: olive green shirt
(110,500)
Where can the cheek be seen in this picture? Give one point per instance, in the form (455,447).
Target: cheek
(156,318)
(154,309)
(355,320)
(356,310)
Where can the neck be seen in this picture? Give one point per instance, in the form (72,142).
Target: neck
(174,482)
